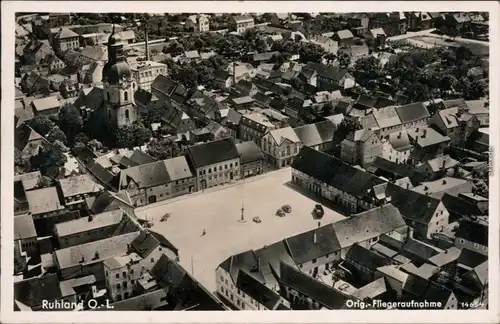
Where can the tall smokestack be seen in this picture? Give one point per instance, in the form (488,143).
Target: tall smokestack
(146,40)
(234,73)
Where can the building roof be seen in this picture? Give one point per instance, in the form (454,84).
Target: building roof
(371,290)
(366,258)
(257,291)
(333,171)
(148,241)
(65,33)
(78,185)
(426,136)
(387,117)
(345,34)
(316,290)
(313,244)
(280,135)
(316,134)
(44,200)
(46,103)
(30,180)
(24,135)
(87,224)
(471,258)
(213,152)
(409,203)
(418,251)
(94,252)
(242,19)
(140,157)
(473,232)
(376,32)
(412,112)
(442,162)
(393,272)
(178,168)
(32,292)
(24,227)
(249,152)
(438,188)
(361,135)
(450,255)
(422,289)
(368,224)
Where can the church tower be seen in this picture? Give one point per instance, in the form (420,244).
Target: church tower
(119,86)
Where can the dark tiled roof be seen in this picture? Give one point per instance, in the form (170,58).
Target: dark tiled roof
(471,258)
(399,170)
(140,157)
(142,96)
(421,289)
(460,206)
(32,292)
(313,244)
(245,261)
(366,258)
(249,152)
(420,250)
(312,288)
(412,205)
(213,152)
(146,175)
(221,75)
(164,84)
(257,291)
(473,232)
(412,112)
(333,171)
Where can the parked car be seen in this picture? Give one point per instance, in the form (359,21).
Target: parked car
(286,208)
(257,220)
(165,218)
(318,211)
(280,213)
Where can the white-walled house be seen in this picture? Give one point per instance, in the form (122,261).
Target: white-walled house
(280,146)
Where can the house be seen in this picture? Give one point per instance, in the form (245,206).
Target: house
(86,259)
(78,188)
(361,147)
(318,135)
(377,36)
(358,20)
(450,185)
(30,181)
(457,21)
(156,181)
(34,82)
(241,23)
(393,23)
(329,45)
(333,179)
(203,107)
(425,221)
(47,209)
(232,122)
(480,110)
(474,285)
(363,263)
(176,121)
(413,115)
(25,234)
(460,207)
(252,159)
(473,236)
(245,88)
(333,78)
(94,228)
(69,89)
(198,23)
(170,91)
(419,21)
(344,37)
(456,123)
(387,121)
(220,156)
(65,40)
(280,146)
(52,62)
(422,290)
(478,142)
(191,56)
(254,125)
(145,72)
(438,167)
(46,106)
(427,143)
(35,51)
(223,80)
(27,142)
(397,147)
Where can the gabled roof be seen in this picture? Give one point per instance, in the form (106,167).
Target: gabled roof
(361,135)
(424,290)
(78,185)
(212,152)
(473,232)
(400,141)
(400,170)
(249,152)
(44,200)
(386,117)
(409,203)
(145,175)
(471,258)
(280,135)
(147,242)
(316,134)
(46,103)
(243,18)
(257,291)
(65,33)
(24,135)
(366,258)
(318,291)
(368,224)
(24,227)
(412,112)
(178,168)
(313,244)
(84,224)
(140,157)
(32,292)
(345,34)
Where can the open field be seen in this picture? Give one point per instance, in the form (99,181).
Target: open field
(219,212)
(477,47)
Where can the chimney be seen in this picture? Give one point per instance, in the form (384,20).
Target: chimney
(443,165)
(234,73)
(90,218)
(417,129)
(399,135)
(445,251)
(96,255)
(146,41)
(407,185)
(425,133)
(82,260)
(258,264)
(426,188)
(416,139)
(444,181)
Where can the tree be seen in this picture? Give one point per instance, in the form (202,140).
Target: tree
(70,122)
(476,90)
(41,124)
(132,136)
(349,124)
(81,138)
(154,114)
(49,161)
(57,135)
(163,148)
(310,52)
(366,69)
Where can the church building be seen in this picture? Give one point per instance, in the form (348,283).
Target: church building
(119,86)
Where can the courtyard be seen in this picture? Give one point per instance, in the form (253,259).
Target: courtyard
(218,212)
